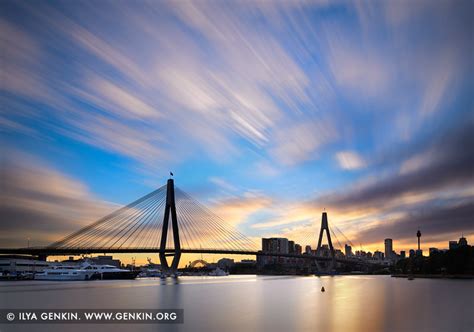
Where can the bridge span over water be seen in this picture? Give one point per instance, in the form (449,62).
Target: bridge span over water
(168,222)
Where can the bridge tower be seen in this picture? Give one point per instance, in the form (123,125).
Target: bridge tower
(325,228)
(170,209)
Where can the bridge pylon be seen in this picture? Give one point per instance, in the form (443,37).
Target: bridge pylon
(170,209)
(325,228)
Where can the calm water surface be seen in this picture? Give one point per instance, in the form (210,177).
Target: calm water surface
(260,303)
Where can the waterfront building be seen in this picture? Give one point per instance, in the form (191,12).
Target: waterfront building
(106,260)
(388,248)
(378,255)
(275,245)
(298,249)
(99,260)
(338,253)
(348,250)
(264,260)
(462,241)
(453,245)
(70,260)
(19,264)
(456,244)
(266,245)
(291,247)
(282,246)
(246,265)
(324,251)
(360,254)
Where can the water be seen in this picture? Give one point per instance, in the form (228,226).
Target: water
(260,303)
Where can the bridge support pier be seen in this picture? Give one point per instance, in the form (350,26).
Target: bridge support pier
(325,227)
(170,209)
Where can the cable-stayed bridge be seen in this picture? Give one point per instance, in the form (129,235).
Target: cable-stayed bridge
(169,222)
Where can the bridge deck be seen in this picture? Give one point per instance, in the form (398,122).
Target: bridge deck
(87,251)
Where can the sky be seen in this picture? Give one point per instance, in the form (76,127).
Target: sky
(266,112)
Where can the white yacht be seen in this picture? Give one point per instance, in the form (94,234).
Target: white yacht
(108,272)
(150,273)
(61,272)
(218,273)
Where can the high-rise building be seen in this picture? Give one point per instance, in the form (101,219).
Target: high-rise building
(324,251)
(378,255)
(412,253)
(282,245)
(348,250)
(298,249)
(361,253)
(291,247)
(307,250)
(338,253)
(266,245)
(418,235)
(462,241)
(388,248)
(276,245)
(433,251)
(453,245)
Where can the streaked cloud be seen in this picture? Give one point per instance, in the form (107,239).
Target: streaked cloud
(236,210)
(349,160)
(143,144)
(450,220)
(300,93)
(358,71)
(41,203)
(120,101)
(244,93)
(450,167)
(20,62)
(301,142)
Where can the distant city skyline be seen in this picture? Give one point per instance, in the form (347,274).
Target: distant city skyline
(268,113)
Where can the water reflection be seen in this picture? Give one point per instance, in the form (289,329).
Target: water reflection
(249,303)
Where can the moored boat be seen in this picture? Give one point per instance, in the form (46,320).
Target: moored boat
(218,273)
(109,272)
(65,273)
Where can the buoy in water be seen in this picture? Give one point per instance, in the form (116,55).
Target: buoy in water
(322,289)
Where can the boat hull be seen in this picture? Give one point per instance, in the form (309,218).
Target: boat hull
(64,277)
(123,275)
